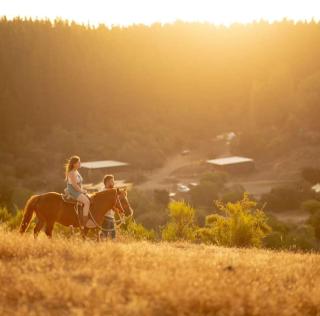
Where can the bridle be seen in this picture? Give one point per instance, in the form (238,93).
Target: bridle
(121,221)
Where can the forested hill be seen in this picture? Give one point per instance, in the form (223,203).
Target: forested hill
(139,93)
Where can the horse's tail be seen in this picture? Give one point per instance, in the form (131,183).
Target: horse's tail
(28,212)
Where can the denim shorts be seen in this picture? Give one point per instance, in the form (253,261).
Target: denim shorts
(72,191)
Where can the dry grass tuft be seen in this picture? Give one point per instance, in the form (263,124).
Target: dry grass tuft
(72,277)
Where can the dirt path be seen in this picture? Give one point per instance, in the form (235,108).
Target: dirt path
(188,168)
(160,178)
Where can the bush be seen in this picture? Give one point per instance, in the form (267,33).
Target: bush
(15,220)
(4,215)
(310,206)
(286,197)
(233,194)
(204,194)
(138,231)
(9,219)
(301,238)
(291,236)
(242,226)
(147,211)
(314,221)
(219,178)
(181,225)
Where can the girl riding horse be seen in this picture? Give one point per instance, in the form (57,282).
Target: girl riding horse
(74,186)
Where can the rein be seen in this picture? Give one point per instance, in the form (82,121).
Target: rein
(118,222)
(122,220)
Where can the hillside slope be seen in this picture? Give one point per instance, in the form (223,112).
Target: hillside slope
(72,277)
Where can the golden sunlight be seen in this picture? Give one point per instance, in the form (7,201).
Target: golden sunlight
(126,12)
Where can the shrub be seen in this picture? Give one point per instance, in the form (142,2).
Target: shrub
(286,197)
(302,238)
(15,220)
(147,211)
(204,194)
(310,206)
(4,215)
(138,231)
(314,221)
(291,236)
(233,194)
(242,226)
(219,178)
(10,220)
(181,225)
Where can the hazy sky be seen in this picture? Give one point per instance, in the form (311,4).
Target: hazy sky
(125,12)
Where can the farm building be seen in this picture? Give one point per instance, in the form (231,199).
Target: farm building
(103,164)
(94,170)
(232,164)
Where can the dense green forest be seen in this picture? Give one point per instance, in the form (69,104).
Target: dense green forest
(141,93)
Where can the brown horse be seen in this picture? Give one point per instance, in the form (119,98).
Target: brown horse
(51,208)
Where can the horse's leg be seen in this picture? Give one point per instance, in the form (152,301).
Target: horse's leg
(48,230)
(84,232)
(37,228)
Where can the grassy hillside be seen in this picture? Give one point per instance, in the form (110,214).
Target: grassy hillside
(72,277)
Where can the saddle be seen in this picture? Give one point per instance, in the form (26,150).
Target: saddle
(67,198)
(77,205)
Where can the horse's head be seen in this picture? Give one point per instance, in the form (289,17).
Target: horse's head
(122,202)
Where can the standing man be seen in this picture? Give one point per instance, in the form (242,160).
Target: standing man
(109,222)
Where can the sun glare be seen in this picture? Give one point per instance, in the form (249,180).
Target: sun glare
(126,12)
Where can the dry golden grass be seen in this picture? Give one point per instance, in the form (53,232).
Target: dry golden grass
(72,277)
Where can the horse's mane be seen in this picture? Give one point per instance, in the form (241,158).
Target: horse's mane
(99,194)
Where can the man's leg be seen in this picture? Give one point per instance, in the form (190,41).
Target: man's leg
(111,228)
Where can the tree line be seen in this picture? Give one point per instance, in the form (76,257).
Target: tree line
(140,93)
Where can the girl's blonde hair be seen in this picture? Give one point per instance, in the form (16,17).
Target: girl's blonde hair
(70,165)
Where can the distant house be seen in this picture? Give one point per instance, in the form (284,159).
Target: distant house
(233,164)
(227,137)
(94,170)
(316,187)
(102,164)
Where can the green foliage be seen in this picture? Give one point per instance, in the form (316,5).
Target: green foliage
(286,197)
(233,193)
(204,194)
(15,220)
(11,220)
(147,210)
(181,225)
(292,236)
(310,206)
(138,232)
(314,221)
(217,177)
(211,187)
(303,238)
(4,215)
(242,226)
